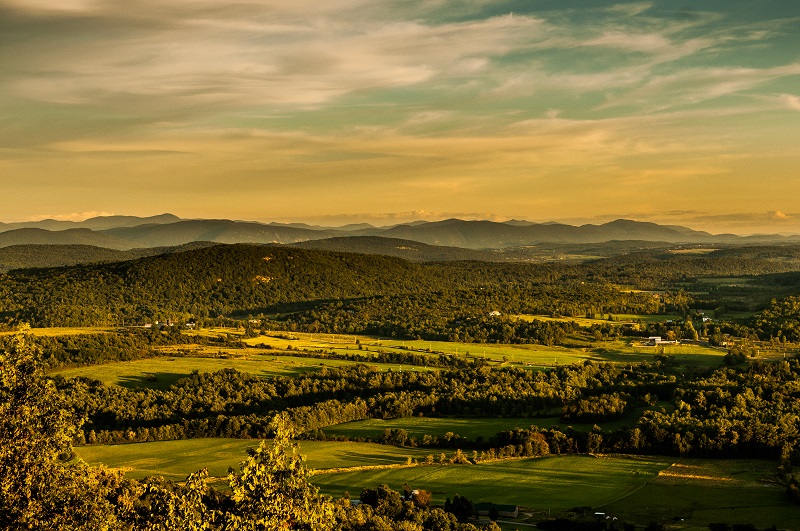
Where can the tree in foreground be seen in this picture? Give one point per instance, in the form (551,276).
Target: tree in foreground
(38,490)
(272,491)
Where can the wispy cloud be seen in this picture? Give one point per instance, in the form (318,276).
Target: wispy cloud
(431,105)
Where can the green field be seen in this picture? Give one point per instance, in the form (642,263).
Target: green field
(470,428)
(619,319)
(618,351)
(703,491)
(63,331)
(634,488)
(556,483)
(177,459)
(161,372)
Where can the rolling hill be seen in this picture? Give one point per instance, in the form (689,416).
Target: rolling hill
(129,232)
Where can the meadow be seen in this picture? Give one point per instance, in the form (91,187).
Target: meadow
(686,493)
(175,460)
(693,493)
(161,372)
(545,484)
(471,428)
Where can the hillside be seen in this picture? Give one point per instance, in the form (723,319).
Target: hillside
(211,281)
(50,256)
(406,249)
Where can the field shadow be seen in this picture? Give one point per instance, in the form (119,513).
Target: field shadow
(289,371)
(150,380)
(370,458)
(616,356)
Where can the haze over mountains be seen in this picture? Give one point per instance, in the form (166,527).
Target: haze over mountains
(113,238)
(130,232)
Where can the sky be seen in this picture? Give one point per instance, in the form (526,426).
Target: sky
(346,111)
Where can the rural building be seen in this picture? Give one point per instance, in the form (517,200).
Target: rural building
(506,511)
(656,340)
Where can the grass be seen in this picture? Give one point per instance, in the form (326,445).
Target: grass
(161,372)
(64,331)
(177,459)
(556,483)
(180,360)
(619,319)
(469,428)
(702,491)
(632,488)
(634,351)
(472,428)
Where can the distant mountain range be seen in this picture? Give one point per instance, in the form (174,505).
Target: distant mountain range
(452,239)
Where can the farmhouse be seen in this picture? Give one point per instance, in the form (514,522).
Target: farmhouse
(656,340)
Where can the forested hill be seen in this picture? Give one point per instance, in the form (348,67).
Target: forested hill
(406,249)
(29,256)
(213,281)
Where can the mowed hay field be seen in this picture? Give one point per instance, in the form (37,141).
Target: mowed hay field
(175,460)
(469,428)
(557,483)
(693,493)
(473,427)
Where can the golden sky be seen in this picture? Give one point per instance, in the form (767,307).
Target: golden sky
(354,110)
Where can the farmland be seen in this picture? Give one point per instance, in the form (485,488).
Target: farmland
(699,491)
(268,356)
(161,372)
(177,459)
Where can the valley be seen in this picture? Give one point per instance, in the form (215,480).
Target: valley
(564,389)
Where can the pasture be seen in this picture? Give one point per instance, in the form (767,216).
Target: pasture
(556,483)
(693,493)
(684,493)
(417,427)
(162,371)
(270,356)
(63,331)
(175,460)
(616,351)
(600,319)
(472,428)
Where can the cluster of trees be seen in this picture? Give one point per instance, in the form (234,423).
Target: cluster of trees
(781,319)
